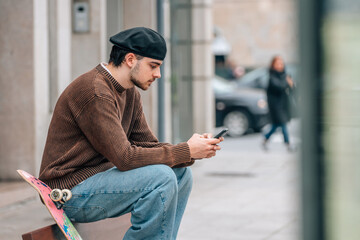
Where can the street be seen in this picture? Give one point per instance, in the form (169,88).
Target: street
(243,193)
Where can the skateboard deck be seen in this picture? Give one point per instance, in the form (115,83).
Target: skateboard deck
(58,215)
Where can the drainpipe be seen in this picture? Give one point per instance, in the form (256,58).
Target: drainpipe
(161,83)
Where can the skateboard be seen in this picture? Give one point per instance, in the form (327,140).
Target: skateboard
(53,200)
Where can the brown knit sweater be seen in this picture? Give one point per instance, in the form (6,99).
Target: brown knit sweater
(97,124)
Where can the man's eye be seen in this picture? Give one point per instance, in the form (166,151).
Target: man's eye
(153,66)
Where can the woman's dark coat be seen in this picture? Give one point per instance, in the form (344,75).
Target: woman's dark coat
(277,96)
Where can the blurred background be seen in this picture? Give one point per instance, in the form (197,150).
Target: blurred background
(215,75)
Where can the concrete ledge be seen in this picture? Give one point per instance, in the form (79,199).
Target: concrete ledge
(50,232)
(112,228)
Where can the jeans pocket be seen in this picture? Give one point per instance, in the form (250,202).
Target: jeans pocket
(85,214)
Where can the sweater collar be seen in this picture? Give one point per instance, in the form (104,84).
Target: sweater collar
(113,81)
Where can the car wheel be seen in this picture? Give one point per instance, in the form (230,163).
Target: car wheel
(237,122)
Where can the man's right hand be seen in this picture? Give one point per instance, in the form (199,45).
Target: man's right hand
(202,146)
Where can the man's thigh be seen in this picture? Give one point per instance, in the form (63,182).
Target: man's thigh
(112,193)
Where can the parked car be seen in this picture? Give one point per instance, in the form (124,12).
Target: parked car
(239,109)
(259,79)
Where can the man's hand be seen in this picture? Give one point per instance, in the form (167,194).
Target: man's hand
(203,146)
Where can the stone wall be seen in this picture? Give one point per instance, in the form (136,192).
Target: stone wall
(258,29)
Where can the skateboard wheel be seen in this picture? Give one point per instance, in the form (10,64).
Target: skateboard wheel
(66,194)
(56,195)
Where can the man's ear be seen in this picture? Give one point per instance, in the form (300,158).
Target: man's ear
(130,59)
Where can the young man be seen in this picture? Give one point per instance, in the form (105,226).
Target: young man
(100,146)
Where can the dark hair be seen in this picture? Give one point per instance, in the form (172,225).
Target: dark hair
(117,55)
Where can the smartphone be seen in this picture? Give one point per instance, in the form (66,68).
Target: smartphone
(222,133)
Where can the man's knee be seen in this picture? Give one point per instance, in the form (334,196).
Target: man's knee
(165,178)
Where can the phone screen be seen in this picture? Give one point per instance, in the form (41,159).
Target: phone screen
(222,133)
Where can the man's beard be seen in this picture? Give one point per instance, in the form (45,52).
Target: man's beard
(136,81)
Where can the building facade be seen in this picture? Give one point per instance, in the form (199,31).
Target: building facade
(45,44)
(257,30)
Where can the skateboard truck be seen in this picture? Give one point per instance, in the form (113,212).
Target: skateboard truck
(59,197)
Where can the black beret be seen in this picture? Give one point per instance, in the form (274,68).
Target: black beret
(142,41)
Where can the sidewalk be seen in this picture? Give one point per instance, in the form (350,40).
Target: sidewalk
(243,193)
(20,210)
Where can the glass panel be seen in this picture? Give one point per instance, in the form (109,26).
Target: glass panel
(181,71)
(341,38)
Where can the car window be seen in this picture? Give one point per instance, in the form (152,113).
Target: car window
(221,85)
(264,80)
(259,77)
(259,82)
(251,77)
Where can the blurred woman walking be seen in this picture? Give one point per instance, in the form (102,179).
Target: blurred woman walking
(278,100)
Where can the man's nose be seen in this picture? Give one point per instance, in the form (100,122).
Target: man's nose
(157,73)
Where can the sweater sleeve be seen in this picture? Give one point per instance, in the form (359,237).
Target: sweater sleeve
(101,125)
(141,135)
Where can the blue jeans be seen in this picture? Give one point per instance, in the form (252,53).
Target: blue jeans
(156,196)
(284,131)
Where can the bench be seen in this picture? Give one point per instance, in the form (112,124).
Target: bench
(112,228)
